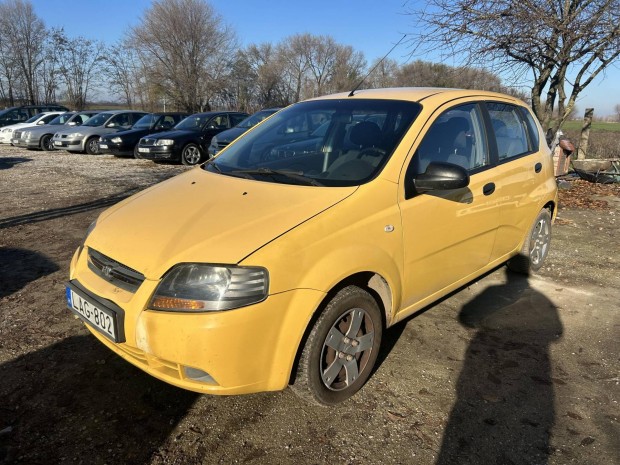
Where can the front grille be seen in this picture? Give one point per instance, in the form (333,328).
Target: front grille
(221,145)
(17,135)
(147,141)
(114,272)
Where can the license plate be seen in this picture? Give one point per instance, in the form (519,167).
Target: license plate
(57,143)
(97,316)
(14,141)
(144,149)
(103,146)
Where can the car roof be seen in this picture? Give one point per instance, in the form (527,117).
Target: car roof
(210,113)
(418,94)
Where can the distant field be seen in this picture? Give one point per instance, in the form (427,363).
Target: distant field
(596,126)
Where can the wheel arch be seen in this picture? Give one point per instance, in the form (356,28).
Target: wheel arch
(373,283)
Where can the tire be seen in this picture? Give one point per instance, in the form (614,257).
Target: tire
(136,154)
(92,145)
(191,155)
(47,143)
(535,247)
(341,349)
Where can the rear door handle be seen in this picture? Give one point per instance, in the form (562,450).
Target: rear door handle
(538,167)
(488,189)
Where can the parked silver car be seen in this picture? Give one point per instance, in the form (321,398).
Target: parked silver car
(40,137)
(86,137)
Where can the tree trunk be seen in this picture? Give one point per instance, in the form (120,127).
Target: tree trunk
(582,151)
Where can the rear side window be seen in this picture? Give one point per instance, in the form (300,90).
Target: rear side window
(236,119)
(510,130)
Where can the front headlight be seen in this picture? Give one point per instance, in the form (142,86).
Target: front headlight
(195,287)
(26,135)
(7,130)
(213,143)
(164,142)
(116,140)
(75,135)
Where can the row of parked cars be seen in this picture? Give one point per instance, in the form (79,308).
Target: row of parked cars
(171,136)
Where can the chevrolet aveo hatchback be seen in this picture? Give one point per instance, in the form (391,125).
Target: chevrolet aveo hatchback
(283,259)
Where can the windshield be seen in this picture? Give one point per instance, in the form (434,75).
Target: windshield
(98,120)
(146,122)
(193,123)
(323,142)
(33,119)
(255,118)
(61,119)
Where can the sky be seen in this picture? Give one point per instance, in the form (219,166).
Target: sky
(369,26)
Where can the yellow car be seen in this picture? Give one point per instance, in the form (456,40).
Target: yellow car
(282,260)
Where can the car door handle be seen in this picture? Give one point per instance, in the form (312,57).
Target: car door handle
(538,167)
(489,188)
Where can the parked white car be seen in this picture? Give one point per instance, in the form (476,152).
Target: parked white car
(6,134)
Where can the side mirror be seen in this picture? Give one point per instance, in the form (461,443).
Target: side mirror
(72,123)
(110,125)
(441,176)
(40,123)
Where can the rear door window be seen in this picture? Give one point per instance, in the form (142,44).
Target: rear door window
(510,130)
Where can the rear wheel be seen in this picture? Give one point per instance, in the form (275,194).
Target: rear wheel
(92,145)
(341,349)
(536,246)
(47,143)
(191,155)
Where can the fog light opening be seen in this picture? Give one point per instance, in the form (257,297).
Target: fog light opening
(198,375)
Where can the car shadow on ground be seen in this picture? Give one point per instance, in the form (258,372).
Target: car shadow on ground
(77,401)
(10,162)
(19,267)
(52,213)
(504,410)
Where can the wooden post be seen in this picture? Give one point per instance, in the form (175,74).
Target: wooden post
(582,152)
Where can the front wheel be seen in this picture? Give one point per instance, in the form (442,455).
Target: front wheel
(341,349)
(92,146)
(191,155)
(536,246)
(47,143)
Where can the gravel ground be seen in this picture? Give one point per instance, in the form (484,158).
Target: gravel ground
(509,370)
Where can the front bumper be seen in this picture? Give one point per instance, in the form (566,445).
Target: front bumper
(71,145)
(250,349)
(111,148)
(27,143)
(155,152)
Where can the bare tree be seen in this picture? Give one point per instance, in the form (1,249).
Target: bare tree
(79,58)
(121,67)
(188,47)
(23,37)
(563,44)
(383,74)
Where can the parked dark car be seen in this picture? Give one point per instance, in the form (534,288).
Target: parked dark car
(224,138)
(188,141)
(20,114)
(125,143)
(40,137)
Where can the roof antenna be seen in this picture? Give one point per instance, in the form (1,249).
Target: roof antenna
(375,67)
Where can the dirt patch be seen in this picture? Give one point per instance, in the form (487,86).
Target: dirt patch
(508,370)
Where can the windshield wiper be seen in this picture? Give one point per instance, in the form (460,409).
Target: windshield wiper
(296,175)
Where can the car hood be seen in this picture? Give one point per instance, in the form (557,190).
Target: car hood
(177,133)
(129,132)
(45,128)
(230,134)
(87,130)
(204,217)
